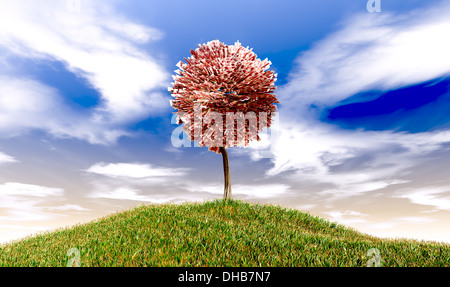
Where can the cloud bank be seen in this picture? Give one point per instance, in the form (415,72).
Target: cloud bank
(93,42)
(370,52)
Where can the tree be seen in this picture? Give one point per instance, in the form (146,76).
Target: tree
(224,97)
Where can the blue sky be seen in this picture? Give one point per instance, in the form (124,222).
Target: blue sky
(361,138)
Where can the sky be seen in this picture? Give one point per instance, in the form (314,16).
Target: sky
(361,137)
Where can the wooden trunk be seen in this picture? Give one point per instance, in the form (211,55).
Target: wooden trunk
(226,173)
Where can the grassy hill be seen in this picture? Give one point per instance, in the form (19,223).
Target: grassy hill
(216,233)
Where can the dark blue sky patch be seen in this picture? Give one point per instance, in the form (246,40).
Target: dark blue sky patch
(75,90)
(415,108)
(282,64)
(158,125)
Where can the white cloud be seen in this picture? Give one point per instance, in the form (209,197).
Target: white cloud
(396,222)
(186,191)
(129,193)
(328,163)
(134,181)
(67,207)
(24,103)
(260,191)
(30,208)
(24,202)
(435,196)
(97,44)
(4,158)
(414,220)
(342,217)
(12,232)
(134,170)
(382,53)
(28,104)
(21,189)
(240,190)
(351,162)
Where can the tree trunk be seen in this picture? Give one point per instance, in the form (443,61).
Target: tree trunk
(226,173)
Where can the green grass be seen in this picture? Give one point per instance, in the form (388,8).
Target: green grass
(216,233)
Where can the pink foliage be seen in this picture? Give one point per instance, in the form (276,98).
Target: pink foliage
(218,86)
